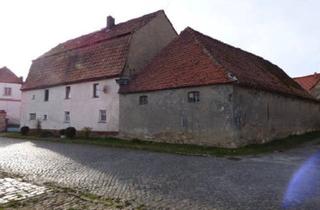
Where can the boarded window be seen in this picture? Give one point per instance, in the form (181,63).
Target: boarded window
(95,90)
(32,116)
(102,115)
(68,91)
(193,96)
(143,100)
(46,95)
(66,116)
(7,91)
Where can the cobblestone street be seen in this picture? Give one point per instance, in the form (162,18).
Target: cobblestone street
(158,180)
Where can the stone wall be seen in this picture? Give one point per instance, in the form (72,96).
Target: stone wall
(169,117)
(261,116)
(316,91)
(226,116)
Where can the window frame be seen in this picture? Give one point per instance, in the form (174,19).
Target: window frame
(32,114)
(193,96)
(7,91)
(46,95)
(101,120)
(67,117)
(95,90)
(143,100)
(68,92)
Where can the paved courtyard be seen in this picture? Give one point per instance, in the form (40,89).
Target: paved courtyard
(171,181)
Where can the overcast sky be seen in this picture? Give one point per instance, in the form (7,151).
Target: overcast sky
(286,32)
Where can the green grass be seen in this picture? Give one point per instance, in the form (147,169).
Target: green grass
(276,145)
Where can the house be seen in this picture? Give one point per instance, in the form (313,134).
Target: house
(10,96)
(310,83)
(76,83)
(199,90)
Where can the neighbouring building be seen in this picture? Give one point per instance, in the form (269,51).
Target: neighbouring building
(76,83)
(10,96)
(310,83)
(199,90)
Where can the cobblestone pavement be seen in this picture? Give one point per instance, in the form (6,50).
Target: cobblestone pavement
(160,180)
(16,190)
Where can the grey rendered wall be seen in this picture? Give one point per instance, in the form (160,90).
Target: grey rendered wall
(316,91)
(147,42)
(169,117)
(261,116)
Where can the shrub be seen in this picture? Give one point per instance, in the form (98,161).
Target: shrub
(86,132)
(70,132)
(24,130)
(62,132)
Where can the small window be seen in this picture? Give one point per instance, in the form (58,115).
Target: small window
(68,91)
(67,117)
(95,90)
(7,91)
(193,96)
(46,95)
(32,116)
(102,116)
(45,117)
(143,100)
(33,97)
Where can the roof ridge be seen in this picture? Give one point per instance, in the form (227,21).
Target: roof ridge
(85,45)
(310,75)
(48,54)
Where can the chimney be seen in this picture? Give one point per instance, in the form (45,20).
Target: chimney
(110,22)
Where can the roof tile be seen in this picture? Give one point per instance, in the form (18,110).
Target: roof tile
(101,54)
(194,59)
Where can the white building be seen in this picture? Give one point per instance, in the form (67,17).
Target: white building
(10,95)
(76,83)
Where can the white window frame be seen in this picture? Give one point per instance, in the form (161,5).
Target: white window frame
(7,91)
(67,116)
(68,93)
(95,90)
(32,116)
(102,116)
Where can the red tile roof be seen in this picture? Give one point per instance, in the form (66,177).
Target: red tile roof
(7,76)
(308,82)
(194,59)
(101,54)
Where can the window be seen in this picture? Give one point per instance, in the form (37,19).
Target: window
(46,95)
(143,100)
(68,89)
(66,117)
(33,97)
(95,90)
(193,96)
(32,116)
(45,117)
(7,91)
(102,116)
